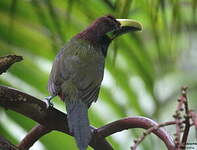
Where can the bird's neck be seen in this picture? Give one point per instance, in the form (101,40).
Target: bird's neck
(96,38)
(93,35)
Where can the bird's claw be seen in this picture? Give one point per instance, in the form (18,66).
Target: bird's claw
(48,101)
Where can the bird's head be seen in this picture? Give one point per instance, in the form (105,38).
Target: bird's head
(112,27)
(108,28)
(106,24)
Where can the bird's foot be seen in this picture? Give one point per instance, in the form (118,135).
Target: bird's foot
(94,131)
(48,101)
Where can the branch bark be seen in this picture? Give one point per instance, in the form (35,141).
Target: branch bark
(136,122)
(37,132)
(6,145)
(187,117)
(7,61)
(36,110)
(52,119)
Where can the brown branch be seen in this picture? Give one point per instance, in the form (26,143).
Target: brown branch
(187,117)
(182,105)
(36,109)
(150,130)
(6,145)
(32,136)
(179,125)
(56,120)
(7,61)
(179,122)
(136,122)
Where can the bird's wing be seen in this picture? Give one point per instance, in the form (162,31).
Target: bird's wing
(85,65)
(56,78)
(85,74)
(90,94)
(77,70)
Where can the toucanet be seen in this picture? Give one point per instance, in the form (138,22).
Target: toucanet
(78,69)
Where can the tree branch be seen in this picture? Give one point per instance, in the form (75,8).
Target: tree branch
(136,122)
(52,119)
(150,130)
(36,109)
(7,61)
(32,136)
(6,145)
(187,117)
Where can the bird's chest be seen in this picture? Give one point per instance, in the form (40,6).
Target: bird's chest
(84,67)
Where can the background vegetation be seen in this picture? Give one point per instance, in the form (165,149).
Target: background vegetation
(144,70)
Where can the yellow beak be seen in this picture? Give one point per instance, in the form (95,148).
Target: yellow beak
(130,23)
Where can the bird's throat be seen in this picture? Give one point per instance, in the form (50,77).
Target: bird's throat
(95,38)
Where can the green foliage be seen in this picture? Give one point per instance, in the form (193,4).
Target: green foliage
(144,70)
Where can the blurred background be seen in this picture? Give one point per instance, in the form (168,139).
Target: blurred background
(144,70)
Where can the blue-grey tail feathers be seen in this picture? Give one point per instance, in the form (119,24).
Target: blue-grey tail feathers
(78,123)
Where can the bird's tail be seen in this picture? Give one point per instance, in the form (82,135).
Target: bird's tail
(78,123)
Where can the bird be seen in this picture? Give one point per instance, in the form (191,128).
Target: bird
(78,70)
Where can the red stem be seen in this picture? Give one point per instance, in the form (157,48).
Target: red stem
(32,136)
(135,122)
(187,118)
